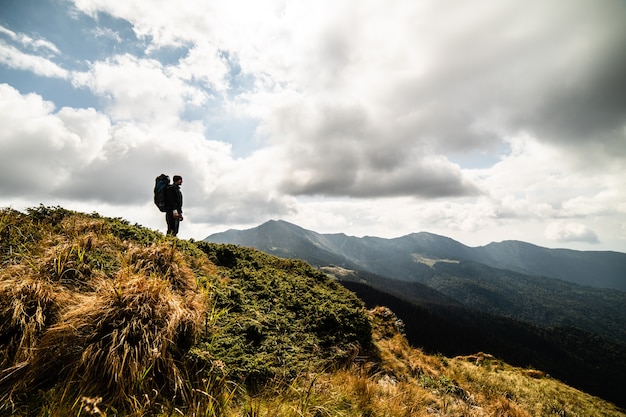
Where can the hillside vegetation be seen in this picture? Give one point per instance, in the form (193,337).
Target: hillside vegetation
(100,317)
(454,301)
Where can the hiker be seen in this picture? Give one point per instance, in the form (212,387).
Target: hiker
(174,204)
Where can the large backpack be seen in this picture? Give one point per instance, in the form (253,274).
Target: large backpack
(160,184)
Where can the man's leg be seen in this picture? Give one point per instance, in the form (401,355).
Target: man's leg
(175,225)
(169,219)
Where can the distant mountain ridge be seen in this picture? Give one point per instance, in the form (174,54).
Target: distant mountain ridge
(601,269)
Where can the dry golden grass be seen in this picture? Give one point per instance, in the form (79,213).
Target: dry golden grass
(27,307)
(87,315)
(494,381)
(403,381)
(122,341)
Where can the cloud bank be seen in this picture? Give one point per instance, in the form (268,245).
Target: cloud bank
(483,121)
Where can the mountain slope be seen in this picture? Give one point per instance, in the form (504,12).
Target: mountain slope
(99,317)
(284,239)
(497,310)
(588,362)
(96,308)
(602,269)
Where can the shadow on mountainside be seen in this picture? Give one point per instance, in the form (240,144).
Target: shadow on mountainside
(585,361)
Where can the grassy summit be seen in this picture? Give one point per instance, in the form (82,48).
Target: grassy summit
(100,317)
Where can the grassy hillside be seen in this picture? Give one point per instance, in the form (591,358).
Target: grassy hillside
(100,317)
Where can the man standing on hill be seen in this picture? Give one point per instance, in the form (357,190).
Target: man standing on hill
(174,204)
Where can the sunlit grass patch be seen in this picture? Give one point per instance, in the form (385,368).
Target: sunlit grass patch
(126,339)
(27,307)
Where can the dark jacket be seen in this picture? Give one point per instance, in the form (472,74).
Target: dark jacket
(174,198)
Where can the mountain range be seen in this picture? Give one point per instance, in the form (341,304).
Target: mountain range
(560,310)
(398,257)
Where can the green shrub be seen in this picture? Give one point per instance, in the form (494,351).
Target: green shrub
(284,317)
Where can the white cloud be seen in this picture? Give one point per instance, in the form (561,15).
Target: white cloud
(570,232)
(205,64)
(38,149)
(79,158)
(27,41)
(450,78)
(139,89)
(16,59)
(109,33)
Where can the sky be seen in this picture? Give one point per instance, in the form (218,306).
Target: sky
(481,121)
